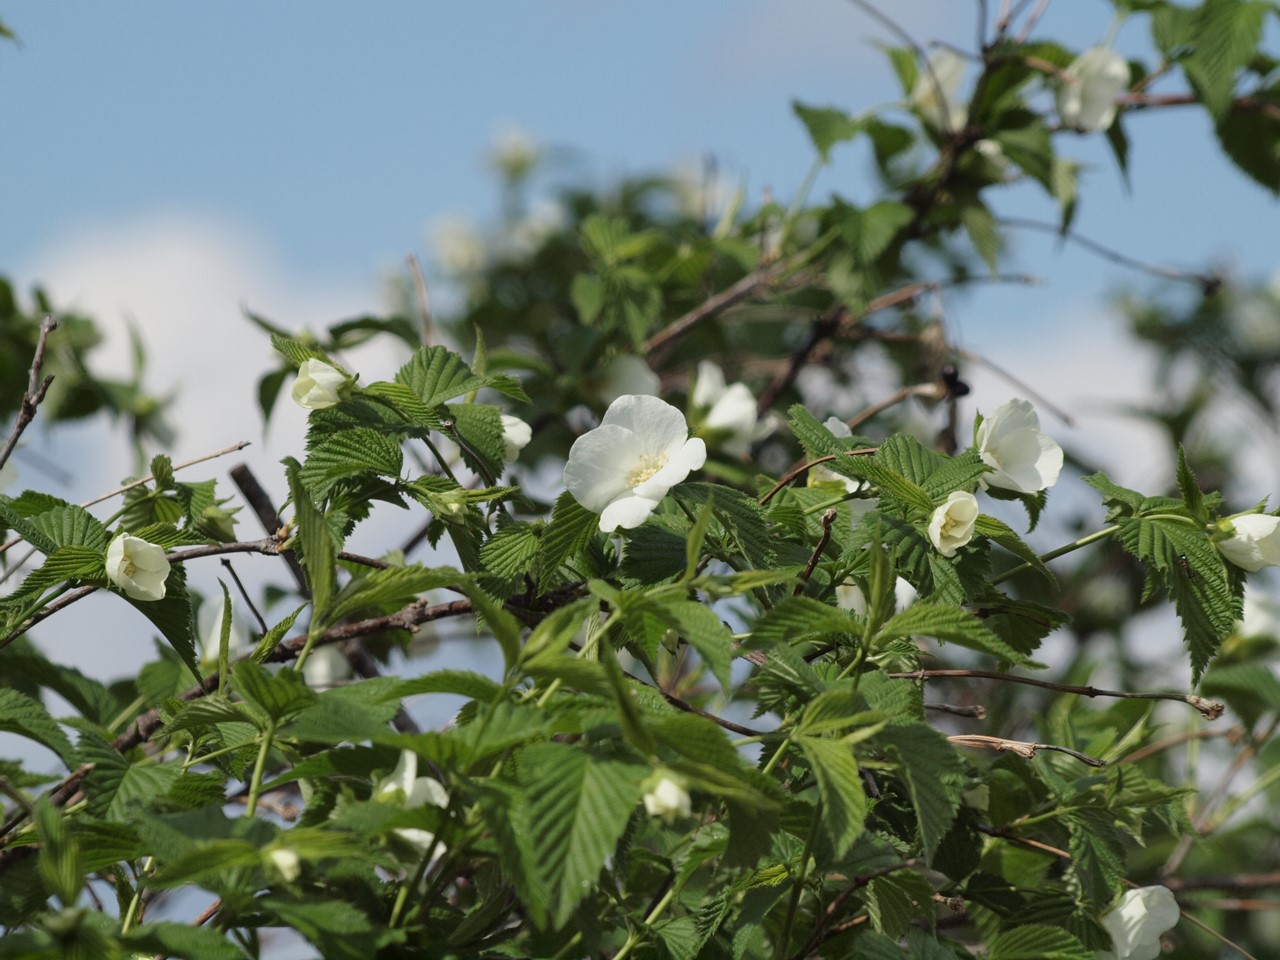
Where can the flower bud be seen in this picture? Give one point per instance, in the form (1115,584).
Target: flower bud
(1254,542)
(516,434)
(1138,921)
(319,385)
(666,798)
(284,863)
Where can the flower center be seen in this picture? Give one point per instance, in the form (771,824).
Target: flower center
(948,524)
(128,569)
(650,463)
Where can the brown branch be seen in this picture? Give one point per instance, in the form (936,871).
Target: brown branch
(1232,734)
(1231,881)
(1210,709)
(147,479)
(974,711)
(719,721)
(36,389)
(1022,748)
(828,518)
(1147,101)
(857,883)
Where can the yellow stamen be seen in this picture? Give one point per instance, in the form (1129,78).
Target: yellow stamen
(650,463)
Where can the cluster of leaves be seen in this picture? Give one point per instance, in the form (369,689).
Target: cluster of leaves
(833,808)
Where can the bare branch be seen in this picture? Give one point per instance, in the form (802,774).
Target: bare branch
(1022,748)
(36,389)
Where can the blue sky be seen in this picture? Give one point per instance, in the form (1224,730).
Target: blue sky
(166,163)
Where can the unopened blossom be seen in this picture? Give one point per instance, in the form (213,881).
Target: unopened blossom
(1021,457)
(849,596)
(729,411)
(285,863)
(666,798)
(405,789)
(1090,86)
(326,667)
(627,374)
(937,87)
(137,567)
(951,526)
(1254,542)
(516,434)
(319,385)
(623,468)
(1138,921)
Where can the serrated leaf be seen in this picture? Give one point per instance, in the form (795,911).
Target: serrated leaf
(1001,533)
(389,587)
(509,554)
(350,453)
(1225,36)
(571,528)
(827,126)
(271,639)
(578,807)
(279,696)
(980,225)
(295,351)
(182,940)
(740,526)
(319,552)
(1097,853)
(463,683)
(21,715)
(1251,138)
(173,617)
(1118,499)
(339,929)
(437,375)
(844,802)
(115,787)
(91,698)
(951,624)
(478,431)
(1038,941)
(61,865)
(352,712)
(934,777)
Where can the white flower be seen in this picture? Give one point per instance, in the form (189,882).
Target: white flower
(730,411)
(137,567)
(623,468)
(849,596)
(666,798)
(627,374)
(951,526)
(1137,922)
(285,862)
(1021,457)
(516,434)
(319,385)
(458,246)
(1255,541)
(934,94)
(405,789)
(1090,86)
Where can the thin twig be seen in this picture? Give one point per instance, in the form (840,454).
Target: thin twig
(244,595)
(1210,709)
(1146,101)
(828,518)
(36,389)
(1232,735)
(975,711)
(1022,748)
(420,290)
(1205,282)
(147,479)
(933,391)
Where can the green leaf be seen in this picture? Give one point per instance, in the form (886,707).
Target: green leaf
(91,698)
(356,711)
(436,375)
(350,453)
(870,232)
(477,429)
(934,777)
(703,630)
(173,617)
(1001,533)
(48,523)
(271,639)
(1225,36)
(980,225)
(571,528)
(279,696)
(1250,689)
(740,526)
(1097,854)
(1189,487)
(21,715)
(463,683)
(1205,593)
(1038,941)
(578,807)
(337,928)
(827,126)
(61,866)
(115,787)
(844,802)
(319,552)
(1119,500)
(509,554)
(297,352)
(181,940)
(389,587)
(1251,138)
(951,624)
(587,293)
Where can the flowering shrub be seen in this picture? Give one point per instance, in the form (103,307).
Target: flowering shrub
(852,689)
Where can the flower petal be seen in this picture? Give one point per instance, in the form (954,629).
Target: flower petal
(627,511)
(660,427)
(599,463)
